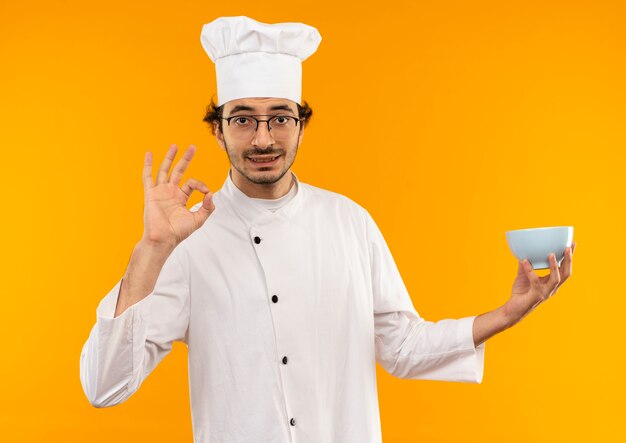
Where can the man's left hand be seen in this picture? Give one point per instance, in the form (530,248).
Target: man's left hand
(530,290)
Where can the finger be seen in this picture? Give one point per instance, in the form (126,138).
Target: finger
(573,247)
(566,265)
(147,171)
(555,276)
(192,184)
(205,210)
(207,206)
(166,165)
(528,270)
(181,166)
(566,258)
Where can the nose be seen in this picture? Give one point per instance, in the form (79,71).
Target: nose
(263,136)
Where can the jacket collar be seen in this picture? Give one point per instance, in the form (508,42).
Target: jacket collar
(253,214)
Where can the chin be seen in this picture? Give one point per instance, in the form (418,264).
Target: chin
(265,177)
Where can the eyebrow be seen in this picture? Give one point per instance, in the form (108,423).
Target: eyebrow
(248,108)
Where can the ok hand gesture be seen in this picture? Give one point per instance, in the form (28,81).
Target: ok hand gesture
(167,221)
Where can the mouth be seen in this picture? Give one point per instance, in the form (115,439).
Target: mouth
(263,160)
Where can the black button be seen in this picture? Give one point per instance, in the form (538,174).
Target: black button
(275,298)
(257,240)
(285,360)
(292,422)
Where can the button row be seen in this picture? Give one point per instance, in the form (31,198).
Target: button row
(257,240)
(292,422)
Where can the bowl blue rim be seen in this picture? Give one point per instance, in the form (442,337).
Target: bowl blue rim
(540,228)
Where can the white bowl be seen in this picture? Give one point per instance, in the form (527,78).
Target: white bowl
(536,244)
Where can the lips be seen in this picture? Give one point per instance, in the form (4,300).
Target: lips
(263,159)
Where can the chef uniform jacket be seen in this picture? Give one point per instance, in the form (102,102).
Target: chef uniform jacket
(284,314)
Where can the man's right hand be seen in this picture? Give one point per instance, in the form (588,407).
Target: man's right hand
(167,221)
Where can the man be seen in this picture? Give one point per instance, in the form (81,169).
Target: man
(286,294)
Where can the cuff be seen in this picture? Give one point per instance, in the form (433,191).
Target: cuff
(128,330)
(106,308)
(474,361)
(112,357)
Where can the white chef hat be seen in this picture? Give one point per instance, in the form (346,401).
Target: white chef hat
(254,59)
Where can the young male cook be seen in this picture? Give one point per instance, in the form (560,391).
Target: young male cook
(285,294)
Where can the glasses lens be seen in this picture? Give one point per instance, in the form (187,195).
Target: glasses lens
(282,126)
(242,126)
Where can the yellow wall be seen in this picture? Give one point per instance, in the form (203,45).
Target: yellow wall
(450,121)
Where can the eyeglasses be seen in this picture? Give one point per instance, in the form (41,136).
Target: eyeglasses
(244,126)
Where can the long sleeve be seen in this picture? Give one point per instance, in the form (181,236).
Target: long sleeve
(408,346)
(121,352)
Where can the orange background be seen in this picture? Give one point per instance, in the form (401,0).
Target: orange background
(451,122)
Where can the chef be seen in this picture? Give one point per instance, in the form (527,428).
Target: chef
(285,294)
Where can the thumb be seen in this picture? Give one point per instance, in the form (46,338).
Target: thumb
(203,212)
(207,204)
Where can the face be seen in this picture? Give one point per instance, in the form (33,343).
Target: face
(263,158)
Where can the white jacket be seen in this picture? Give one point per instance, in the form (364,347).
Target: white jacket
(284,314)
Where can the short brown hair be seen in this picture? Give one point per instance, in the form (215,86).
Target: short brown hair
(214,114)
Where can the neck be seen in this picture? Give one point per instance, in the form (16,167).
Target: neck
(270,191)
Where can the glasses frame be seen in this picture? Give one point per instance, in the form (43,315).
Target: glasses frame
(254,117)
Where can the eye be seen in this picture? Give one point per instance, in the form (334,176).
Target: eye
(242,121)
(281,119)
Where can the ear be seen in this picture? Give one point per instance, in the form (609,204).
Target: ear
(219,135)
(301,134)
